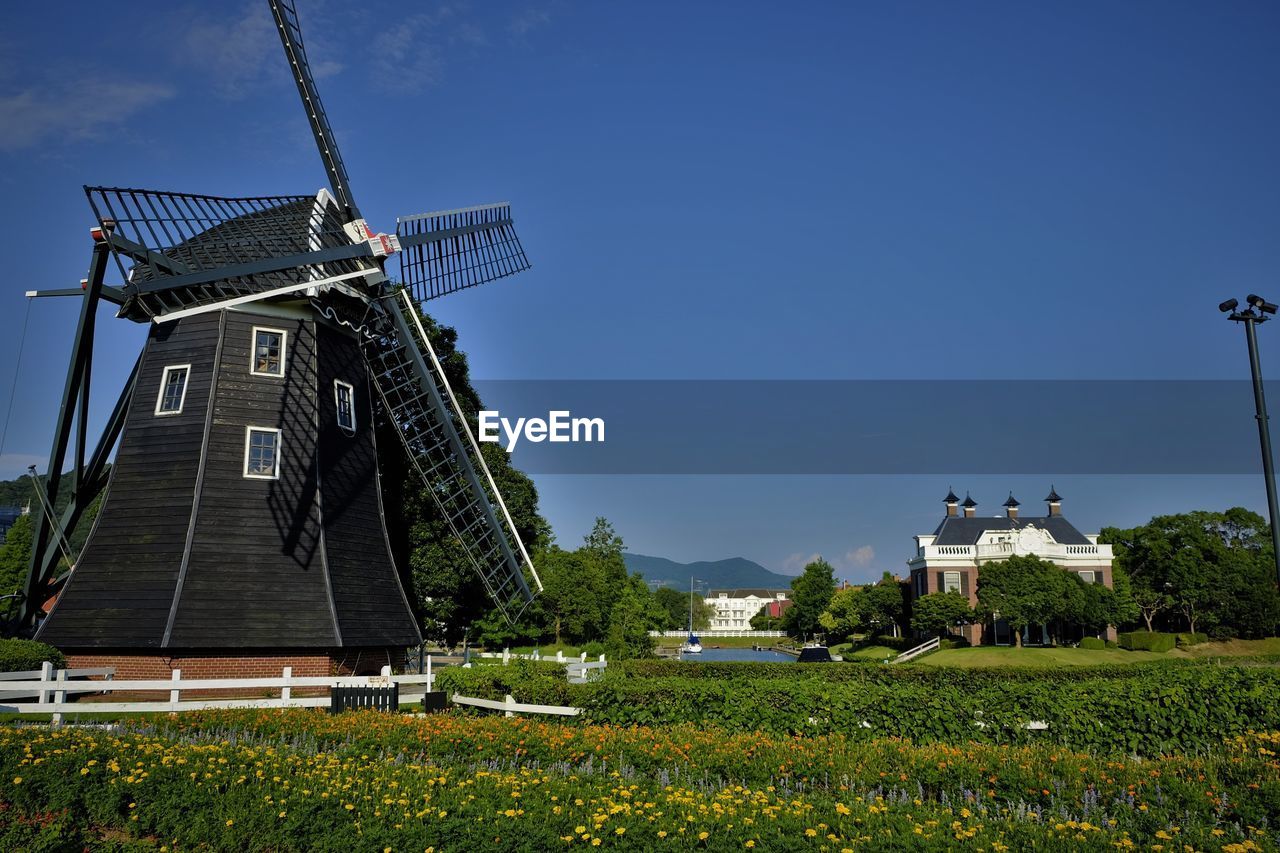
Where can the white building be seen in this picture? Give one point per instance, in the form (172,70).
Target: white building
(735,607)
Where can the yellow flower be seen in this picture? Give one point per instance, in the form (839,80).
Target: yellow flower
(17,780)
(662,833)
(702,836)
(620,830)
(282,814)
(749,843)
(579,829)
(810,833)
(229,822)
(595,842)
(348,806)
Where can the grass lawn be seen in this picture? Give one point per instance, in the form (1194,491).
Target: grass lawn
(1047,657)
(870,653)
(1234,648)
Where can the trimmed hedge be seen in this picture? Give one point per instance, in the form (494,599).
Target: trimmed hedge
(1148,641)
(1093,643)
(1191,639)
(28,655)
(1150,710)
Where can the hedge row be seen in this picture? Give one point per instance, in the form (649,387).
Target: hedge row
(28,655)
(874,672)
(1192,639)
(1160,710)
(1148,641)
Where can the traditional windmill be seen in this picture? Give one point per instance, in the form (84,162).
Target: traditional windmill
(243,519)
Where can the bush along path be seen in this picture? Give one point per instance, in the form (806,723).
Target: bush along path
(301,780)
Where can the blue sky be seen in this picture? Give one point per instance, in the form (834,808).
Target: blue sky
(906,190)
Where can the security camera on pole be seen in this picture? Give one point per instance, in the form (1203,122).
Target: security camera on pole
(1256,313)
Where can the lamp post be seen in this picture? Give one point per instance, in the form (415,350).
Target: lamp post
(1256,313)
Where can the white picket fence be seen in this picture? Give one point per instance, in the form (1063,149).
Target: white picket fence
(506,655)
(512,707)
(52,688)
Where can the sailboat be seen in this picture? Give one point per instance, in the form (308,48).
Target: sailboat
(692,646)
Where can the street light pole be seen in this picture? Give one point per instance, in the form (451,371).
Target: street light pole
(1251,318)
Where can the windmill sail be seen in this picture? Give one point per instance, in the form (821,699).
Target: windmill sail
(414,392)
(449,250)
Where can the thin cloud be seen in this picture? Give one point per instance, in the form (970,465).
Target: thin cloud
(795,563)
(242,54)
(860,557)
(527,20)
(87,107)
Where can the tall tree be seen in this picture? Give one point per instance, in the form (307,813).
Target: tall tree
(938,612)
(676,605)
(634,615)
(15,556)
(811,594)
(1020,590)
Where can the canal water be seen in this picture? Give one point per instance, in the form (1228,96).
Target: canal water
(737,654)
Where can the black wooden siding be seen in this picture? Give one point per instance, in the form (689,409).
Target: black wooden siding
(366,588)
(122,589)
(296,562)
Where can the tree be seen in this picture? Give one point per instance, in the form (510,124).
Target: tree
(634,614)
(883,605)
(811,594)
(938,612)
(762,621)
(1020,590)
(676,606)
(574,595)
(15,557)
(1210,567)
(844,615)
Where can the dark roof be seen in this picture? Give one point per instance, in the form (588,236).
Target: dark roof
(968,501)
(1012,502)
(1053,497)
(743,593)
(966,531)
(950,498)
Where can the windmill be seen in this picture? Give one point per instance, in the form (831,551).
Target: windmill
(244,510)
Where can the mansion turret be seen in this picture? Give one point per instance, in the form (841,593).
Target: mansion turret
(952,557)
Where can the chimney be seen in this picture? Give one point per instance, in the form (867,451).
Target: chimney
(1011,506)
(969,505)
(1054,501)
(952,502)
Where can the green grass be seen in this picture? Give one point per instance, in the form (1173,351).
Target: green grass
(1044,657)
(871,653)
(1235,648)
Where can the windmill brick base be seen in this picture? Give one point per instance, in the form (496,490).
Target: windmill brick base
(249,663)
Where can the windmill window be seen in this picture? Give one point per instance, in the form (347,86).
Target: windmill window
(173,389)
(950,581)
(262,453)
(268,352)
(344,398)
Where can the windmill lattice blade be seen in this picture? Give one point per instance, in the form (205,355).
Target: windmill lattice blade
(178,250)
(415,394)
(449,250)
(290,30)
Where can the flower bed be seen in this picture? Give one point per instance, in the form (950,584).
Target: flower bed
(305,780)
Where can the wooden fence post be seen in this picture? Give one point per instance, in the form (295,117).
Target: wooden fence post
(46,674)
(173,694)
(430,677)
(59,697)
(506,656)
(510,702)
(286,692)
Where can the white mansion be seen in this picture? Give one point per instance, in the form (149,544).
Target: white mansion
(735,607)
(951,558)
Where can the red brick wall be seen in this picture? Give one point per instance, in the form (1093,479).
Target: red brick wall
(250,664)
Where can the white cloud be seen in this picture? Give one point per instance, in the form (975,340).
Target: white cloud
(529,19)
(795,563)
(83,108)
(860,557)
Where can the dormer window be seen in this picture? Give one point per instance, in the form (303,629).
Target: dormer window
(344,397)
(267,358)
(173,389)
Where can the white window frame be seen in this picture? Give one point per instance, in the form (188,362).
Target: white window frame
(1093,576)
(253,351)
(248,434)
(164,383)
(338,385)
(946,582)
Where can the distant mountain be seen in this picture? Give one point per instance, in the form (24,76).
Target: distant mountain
(715,574)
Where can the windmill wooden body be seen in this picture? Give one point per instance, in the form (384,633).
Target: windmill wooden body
(243,526)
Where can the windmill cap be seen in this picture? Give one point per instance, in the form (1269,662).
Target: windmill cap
(1053,497)
(1012,501)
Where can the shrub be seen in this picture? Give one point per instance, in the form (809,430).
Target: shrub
(1192,639)
(1148,641)
(1112,644)
(1222,633)
(1092,643)
(28,655)
(594,649)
